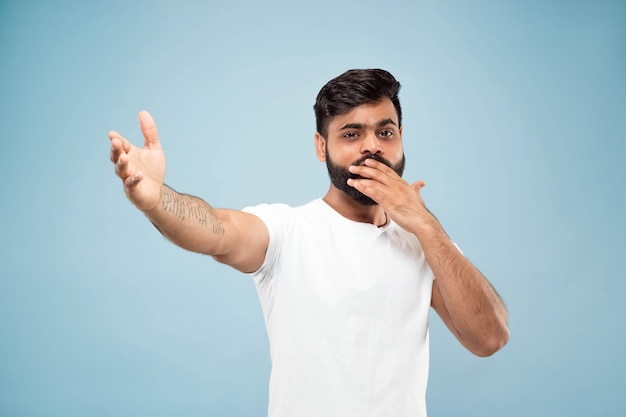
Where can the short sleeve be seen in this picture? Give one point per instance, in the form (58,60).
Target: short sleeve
(276,218)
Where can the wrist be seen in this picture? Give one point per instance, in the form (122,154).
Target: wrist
(426,225)
(155,209)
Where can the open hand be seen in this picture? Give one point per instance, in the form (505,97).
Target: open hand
(142,170)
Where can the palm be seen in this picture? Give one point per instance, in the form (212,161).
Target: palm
(151,163)
(142,170)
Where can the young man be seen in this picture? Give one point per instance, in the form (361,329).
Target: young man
(346,281)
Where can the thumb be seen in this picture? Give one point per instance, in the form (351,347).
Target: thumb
(418,185)
(149,130)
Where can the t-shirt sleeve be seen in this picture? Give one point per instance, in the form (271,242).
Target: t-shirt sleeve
(276,218)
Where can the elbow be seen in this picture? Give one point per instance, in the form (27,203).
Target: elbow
(492,344)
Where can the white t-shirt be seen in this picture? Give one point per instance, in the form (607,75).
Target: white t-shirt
(346,308)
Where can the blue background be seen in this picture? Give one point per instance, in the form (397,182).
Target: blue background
(515,116)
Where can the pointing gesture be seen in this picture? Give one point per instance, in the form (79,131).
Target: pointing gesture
(141,170)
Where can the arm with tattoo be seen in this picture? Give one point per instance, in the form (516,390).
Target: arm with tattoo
(233,237)
(188,208)
(187,221)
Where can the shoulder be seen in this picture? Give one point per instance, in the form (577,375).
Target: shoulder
(279,209)
(265,209)
(278,216)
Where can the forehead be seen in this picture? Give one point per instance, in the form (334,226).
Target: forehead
(366,114)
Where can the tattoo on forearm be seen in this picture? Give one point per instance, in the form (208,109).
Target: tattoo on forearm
(191,209)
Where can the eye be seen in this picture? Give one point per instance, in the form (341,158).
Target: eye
(385,134)
(350,135)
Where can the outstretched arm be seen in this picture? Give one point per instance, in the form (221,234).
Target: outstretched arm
(233,237)
(462,296)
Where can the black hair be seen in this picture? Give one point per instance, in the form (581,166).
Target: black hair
(351,89)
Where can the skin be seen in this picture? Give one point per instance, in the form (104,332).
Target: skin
(462,296)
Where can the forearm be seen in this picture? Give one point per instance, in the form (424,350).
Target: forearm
(475,309)
(188,222)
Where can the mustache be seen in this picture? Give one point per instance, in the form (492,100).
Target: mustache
(375,156)
(361,161)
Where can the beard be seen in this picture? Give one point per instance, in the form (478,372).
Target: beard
(339,176)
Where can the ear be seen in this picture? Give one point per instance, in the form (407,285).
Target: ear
(320,147)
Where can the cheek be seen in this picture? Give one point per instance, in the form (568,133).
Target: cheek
(343,154)
(395,153)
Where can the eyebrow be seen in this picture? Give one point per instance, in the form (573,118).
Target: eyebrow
(382,123)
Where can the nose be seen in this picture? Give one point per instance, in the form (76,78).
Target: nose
(371,144)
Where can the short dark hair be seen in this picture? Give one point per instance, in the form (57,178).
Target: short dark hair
(351,89)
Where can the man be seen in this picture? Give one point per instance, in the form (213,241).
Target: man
(346,281)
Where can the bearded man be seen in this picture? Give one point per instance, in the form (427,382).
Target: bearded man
(346,281)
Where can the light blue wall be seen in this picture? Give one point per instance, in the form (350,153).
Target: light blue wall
(515,116)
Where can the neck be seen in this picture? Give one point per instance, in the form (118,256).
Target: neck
(350,209)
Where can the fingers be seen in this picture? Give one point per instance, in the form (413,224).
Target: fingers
(374,170)
(378,181)
(121,160)
(119,146)
(121,166)
(149,130)
(133,180)
(116,150)
(125,144)
(370,188)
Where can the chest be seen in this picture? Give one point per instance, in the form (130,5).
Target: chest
(358,269)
